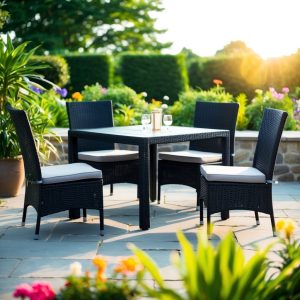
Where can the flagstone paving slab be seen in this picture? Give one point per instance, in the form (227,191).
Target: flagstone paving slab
(63,241)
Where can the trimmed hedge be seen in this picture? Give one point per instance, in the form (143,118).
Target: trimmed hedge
(240,74)
(157,75)
(57,72)
(245,73)
(88,69)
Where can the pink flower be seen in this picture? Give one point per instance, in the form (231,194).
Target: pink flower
(23,290)
(279,96)
(42,291)
(272,90)
(285,90)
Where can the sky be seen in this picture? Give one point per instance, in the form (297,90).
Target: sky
(269,27)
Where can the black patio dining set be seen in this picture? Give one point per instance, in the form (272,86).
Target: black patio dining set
(207,165)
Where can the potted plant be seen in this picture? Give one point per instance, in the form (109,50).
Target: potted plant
(17,89)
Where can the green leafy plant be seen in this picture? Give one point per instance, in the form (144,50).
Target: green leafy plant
(18,76)
(273,99)
(222,273)
(183,110)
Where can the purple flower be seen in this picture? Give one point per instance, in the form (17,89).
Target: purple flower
(285,90)
(36,89)
(63,92)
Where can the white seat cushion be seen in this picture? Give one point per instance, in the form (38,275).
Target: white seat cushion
(191,156)
(232,174)
(69,172)
(108,155)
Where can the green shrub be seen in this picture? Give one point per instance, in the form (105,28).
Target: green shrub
(88,69)
(183,110)
(127,104)
(273,99)
(57,72)
(157,75)
(239,73)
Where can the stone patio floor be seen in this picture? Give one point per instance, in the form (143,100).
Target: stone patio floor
(62,241)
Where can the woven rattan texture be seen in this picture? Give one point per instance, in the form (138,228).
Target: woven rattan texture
(224,196)
(207,115)
(99,114)
(26,141)
(216,116)
(85,115)
(268,141)
(52,198)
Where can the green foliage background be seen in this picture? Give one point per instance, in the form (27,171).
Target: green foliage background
(57,71)
(157,75)
(88,69)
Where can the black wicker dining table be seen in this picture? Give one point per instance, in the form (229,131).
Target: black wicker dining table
(147,141)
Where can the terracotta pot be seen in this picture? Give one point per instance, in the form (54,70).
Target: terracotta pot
(11,176)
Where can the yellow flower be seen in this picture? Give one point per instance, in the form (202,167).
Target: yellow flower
(280,224)
(77,96)
(101,264)
(156,102)
(127,265)
(289,228)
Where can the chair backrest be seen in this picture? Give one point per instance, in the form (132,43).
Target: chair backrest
(216,115)
(268,141)
(91,114)
(27,145)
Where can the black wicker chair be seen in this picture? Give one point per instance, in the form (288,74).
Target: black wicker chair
(53,189)
(249,188)
(116,165)
(182,167)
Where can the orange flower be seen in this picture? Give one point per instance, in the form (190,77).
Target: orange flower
(127,265)
(77,96)
(101,264)
(217,82)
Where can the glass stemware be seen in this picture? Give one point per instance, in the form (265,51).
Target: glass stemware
(167,119)
(146,120)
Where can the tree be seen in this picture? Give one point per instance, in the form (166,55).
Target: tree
(235,48)
(72,25)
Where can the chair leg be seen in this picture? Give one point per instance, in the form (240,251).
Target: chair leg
(198,201)
(273,224)
(201,212)
(84,214)
(257,218)
(101,216)
(111,189)
(158,194)
(24,215)
(37,227)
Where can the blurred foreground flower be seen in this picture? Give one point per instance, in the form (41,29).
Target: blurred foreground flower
(37,291)
(286,226)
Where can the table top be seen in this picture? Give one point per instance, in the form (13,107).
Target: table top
(138,131)
(136,135)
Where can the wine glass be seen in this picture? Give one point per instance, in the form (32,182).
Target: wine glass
(167,119)
(146,120)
